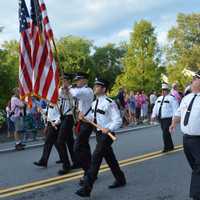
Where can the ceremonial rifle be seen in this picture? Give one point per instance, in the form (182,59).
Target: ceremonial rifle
(99,127)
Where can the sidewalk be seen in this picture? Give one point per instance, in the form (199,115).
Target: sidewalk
(6,147)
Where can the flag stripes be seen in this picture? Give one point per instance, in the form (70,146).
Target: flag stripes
(39,73)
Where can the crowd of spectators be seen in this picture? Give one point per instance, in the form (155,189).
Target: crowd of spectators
(136,106)
(23,120)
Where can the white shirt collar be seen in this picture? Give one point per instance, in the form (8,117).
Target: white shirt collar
(198,94)
(101,97)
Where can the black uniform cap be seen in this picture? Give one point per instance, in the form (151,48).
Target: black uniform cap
(197,74)
(80,75)
(102,82)
(67,76)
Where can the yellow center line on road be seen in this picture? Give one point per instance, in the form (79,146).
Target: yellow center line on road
(75,175)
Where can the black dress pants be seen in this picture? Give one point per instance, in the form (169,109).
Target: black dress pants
(65,136)
(103,150)
(191,146)
(82,148)
(167,139)
(51,139)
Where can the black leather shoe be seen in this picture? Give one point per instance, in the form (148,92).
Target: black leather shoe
(59,161)
(196,198)
(75,167)
(83,192)
(40,164)
(19,147)
(23,145)
(63,171)
(117,184)
(167,150)
(81,181)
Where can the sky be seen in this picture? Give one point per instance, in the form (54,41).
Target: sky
(102,21)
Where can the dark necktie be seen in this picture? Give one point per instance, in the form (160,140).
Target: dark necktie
(160,109)
(187,115)
(62,106)
(95,111)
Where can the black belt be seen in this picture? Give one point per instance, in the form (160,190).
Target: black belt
(51,121)
(67,111)
(191,136)
(65,115)
(100,132)
(166,118)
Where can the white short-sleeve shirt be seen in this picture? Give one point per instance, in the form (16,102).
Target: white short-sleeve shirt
(193,126)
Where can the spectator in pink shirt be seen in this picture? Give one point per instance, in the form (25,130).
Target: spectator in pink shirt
(17,112)
(175,93)
(144,105)
(138,102)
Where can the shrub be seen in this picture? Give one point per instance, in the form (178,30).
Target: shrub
(2,118)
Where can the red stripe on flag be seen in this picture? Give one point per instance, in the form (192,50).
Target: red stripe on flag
(26,74)
(40,69)
(21,90)
(46,20)
(50,33)
(36,47)
(55,94)
(42,7)
(47,82)
(27,44)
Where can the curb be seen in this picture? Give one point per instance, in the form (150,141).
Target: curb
(135,128)
(31,146)
(40,144)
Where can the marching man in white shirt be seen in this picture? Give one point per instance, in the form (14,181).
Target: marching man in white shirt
(65,135)
(164,109)
(53,124)
(188,114)
(84,96)
(105,113)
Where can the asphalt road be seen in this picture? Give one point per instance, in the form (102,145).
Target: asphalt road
(162,177)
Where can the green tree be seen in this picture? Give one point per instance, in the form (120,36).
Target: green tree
(9,62)
(184,47)
(141,63)
(108,61)
(75,54)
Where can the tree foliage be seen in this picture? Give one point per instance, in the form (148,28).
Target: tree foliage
(135,65)
(141,71)
(184,47)
(74,53)
(108,61)
(9,62)
(79,54)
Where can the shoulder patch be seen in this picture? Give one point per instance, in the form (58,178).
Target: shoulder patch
(109,100)
(114,106)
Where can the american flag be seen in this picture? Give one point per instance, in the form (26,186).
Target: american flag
(25,67)
(45,74)
(46,20)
